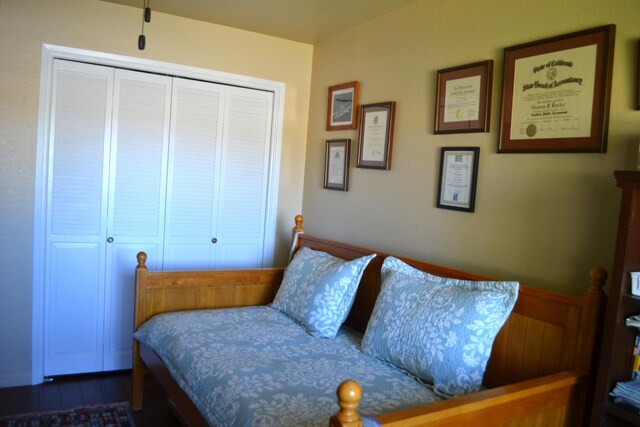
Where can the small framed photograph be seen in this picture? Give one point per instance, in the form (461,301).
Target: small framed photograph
(463,98)
(342,108)
(336,164)
(376,135)
(556,93)
(458,178)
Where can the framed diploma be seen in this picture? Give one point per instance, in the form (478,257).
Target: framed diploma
(463,98)
(336,164)
(458,178)
(556,93)
(376,135)
(342,109)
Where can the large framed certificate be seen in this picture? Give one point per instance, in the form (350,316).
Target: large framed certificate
(463,98)
(556,93)
(376,135)
(458,178)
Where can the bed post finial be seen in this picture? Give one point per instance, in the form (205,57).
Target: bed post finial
(349,394)
(598,277)
(142,260)
(298,227)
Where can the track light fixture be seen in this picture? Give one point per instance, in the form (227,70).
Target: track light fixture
(146,17)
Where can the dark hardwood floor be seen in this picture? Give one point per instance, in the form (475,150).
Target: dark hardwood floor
(77,390)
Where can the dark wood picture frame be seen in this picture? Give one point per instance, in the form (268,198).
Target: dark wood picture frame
(342,106)
(376,135)
(456,183)
(336,164)
(463,98)
(638,76)
(556,93)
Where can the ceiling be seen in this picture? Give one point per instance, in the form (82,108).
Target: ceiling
(306,21)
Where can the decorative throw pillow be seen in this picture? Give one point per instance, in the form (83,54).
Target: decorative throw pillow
(318,290)
(439,329)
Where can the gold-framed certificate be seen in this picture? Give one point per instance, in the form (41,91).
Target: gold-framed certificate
(556,93)
(463,98)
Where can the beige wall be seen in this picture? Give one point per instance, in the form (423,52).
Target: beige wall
(95,25)
(543,219)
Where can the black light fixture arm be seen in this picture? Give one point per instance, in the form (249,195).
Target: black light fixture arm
(146,17)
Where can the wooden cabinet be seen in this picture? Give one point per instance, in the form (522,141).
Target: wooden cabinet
(616,356)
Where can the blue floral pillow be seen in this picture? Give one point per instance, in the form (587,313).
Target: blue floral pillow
(439,329)
(318,290)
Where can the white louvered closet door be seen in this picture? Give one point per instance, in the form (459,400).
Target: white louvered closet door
(143,162)
(218,176)
(193,174)
(76,217)
(138,167)
(244,178)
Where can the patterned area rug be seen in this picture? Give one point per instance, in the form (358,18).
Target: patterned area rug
(116,415)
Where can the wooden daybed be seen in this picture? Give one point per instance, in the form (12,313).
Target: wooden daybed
(539,372)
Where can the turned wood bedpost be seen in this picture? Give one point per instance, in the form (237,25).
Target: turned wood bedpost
(137,371)
(592,311)
(297,228)
(349,394)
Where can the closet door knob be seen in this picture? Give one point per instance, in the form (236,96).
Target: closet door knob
(214,240)
(109,239)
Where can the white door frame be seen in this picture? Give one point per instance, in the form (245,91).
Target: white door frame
(52,52)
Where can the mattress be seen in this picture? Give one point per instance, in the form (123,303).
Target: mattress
(255,366)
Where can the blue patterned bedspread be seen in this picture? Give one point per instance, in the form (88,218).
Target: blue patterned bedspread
(256,366)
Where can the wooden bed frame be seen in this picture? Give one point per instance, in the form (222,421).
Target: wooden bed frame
(540,371)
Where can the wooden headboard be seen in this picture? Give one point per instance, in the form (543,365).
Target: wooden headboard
(541,321)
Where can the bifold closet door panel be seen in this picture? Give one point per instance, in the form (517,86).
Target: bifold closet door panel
(220,149)
(193,174)
(137,198)
(246,157)
(137,161)
(78,156)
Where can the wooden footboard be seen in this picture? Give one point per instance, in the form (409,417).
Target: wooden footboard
(539,373)
(551,400)
(165,291)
